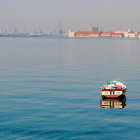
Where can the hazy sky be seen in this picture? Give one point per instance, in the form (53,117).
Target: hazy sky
(73,14)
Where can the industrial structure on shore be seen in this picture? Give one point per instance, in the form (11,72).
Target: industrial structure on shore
(93,32)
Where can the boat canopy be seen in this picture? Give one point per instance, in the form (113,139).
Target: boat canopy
(114,84)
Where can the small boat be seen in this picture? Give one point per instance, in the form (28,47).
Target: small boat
(113,89)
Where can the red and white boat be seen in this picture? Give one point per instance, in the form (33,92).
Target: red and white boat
(113,89)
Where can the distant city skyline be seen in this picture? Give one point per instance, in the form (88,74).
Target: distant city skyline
(74,14)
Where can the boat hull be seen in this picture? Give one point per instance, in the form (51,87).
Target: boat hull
(113,93)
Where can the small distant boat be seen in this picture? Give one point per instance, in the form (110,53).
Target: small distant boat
(113,89)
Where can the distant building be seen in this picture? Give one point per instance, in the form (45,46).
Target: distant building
(71,34)
(130,35)
(120,31)
(90,29)
(126,35)
(87,34)
(117,35)
(93,29)
(138,34)
(106,34)
(94,33)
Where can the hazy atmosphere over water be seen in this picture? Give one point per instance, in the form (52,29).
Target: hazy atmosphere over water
(73,14)
(50,84)
(50,89)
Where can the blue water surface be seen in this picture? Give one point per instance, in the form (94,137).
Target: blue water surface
(50,89)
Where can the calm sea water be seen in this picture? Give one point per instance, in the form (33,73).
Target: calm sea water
(50,89)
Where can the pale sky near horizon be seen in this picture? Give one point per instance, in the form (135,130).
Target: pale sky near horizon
(73,14)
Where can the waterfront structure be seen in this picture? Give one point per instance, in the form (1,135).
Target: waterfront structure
(130,35)
(117,35)
(88,34)
(106,34)
(94,28)
(93,32)
(138,34)
(71,34)
(90,29)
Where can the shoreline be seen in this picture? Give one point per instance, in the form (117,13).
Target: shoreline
(75,38)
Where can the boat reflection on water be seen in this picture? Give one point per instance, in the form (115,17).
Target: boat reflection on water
(118,103)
